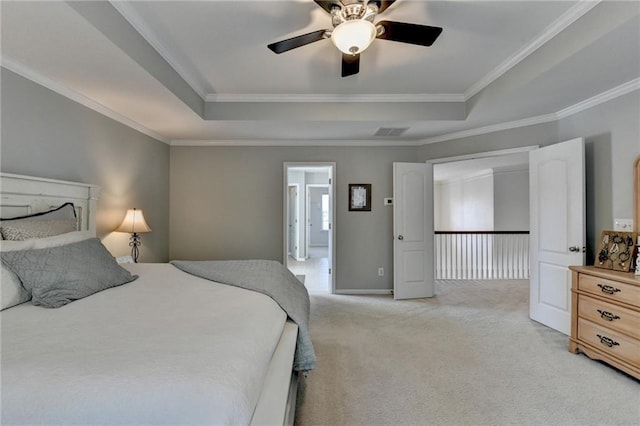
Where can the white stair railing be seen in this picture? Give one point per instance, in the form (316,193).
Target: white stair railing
(481,255)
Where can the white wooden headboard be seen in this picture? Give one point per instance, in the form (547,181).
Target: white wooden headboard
(23,195)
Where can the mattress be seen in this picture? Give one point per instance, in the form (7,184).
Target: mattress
(168,348)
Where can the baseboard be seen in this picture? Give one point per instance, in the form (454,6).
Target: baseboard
(363,291)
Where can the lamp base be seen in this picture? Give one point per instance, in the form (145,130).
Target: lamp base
(134,243)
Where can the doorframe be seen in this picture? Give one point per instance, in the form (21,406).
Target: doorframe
(307,208)
(296,252)
(483,154)
(332,204)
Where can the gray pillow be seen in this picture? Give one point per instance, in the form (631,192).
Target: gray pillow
(58,275)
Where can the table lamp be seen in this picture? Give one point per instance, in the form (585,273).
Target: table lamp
(134,224)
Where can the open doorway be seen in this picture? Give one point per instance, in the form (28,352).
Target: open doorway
(309,224)
(481,216)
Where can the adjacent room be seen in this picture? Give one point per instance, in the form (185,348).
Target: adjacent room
(342,212)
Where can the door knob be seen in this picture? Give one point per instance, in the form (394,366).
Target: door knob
(400,237)
(574,249)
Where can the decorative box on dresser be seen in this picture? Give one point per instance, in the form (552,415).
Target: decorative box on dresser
(605,317)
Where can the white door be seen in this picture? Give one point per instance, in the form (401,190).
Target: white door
(292,222)
(413,274)
(557,227)
(318,208)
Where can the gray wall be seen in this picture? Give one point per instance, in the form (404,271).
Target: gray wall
(612,134)
(511,199)
(45,134)
(226,203)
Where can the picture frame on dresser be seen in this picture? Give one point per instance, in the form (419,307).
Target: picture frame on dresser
(636,209)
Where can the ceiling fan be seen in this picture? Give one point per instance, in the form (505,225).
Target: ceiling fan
(354,30)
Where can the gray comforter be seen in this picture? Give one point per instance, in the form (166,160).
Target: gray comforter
(271,278)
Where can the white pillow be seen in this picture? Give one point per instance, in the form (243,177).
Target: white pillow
(11,290)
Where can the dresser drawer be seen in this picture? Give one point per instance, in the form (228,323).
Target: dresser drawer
(609,341)
(609,315)
(611,289)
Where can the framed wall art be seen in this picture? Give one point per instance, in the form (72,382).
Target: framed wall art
(359,197)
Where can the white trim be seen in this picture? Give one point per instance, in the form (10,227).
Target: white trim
(484,154)
(514,168)
(75,96)
(295,253)
(568,18)
(149,35)
(332,192)
(491,128)
(363,291)
(603,97)
(294,142)
(338,98)
(593,101)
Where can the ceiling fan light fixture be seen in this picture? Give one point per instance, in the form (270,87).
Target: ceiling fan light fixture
(353,37)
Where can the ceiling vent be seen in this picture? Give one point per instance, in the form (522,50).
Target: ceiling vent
(390,131)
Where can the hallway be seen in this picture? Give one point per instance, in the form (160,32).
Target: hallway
(315,270)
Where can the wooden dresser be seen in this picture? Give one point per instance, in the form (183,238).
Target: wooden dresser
(605,317)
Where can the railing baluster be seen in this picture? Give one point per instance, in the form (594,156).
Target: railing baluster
(481,255)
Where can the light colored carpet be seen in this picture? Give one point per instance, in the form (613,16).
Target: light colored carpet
(470,356)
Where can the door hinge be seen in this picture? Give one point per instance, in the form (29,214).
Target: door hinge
(329,271)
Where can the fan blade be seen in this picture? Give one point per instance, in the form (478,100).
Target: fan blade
(299,41)
(409,33)
(383,4)
(327,5)
(350,64)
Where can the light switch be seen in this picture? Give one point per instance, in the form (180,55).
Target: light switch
(623,225)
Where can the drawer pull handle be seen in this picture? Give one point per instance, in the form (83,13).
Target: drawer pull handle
(608,315)
(608,289)
(607,341)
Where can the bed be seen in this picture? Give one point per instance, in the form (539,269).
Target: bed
(166,347)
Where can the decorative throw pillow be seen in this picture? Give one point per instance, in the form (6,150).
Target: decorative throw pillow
(11,290)
(40,225)
(59,275)
(28,229)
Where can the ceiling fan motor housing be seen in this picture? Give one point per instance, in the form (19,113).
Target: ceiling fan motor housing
(352,12)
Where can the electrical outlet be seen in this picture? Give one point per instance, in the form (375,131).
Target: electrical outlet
(381,272)
(388,201)
(124,259)
(623,225)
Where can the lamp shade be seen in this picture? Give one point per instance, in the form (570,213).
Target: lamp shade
(353,37)
(134,222)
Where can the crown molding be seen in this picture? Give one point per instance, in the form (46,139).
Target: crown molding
(491,129)
(342,98)
(293,142)
(149,35)
(603,97)
(75,96)
(598,99)
(560,24)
